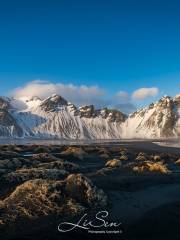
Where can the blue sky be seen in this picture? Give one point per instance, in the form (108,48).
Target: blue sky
(117,45)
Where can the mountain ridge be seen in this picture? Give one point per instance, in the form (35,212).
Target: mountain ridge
(55,117)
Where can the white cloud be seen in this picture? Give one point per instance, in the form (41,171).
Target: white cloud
(143,93)
(76,94)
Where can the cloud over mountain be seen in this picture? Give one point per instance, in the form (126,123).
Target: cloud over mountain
(79,95)
(85,95)
(143,93)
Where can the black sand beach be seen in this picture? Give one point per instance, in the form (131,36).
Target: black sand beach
(140,181)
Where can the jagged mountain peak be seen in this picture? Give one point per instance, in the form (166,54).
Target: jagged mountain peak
(165,101)
(53,103)
(165,97)
(55,97)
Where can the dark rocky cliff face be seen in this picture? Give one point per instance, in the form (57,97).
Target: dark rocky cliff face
(8,125)
(163,117)
(112,115)
(4,104)
(88,111)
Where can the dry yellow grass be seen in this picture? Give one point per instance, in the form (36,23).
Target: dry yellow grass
(36,198)
(113,163)
(76,151)
(148,166)
(123,157)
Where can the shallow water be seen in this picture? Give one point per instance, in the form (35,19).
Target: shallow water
(121,142)
(175,144)
(30,141)
(27,141)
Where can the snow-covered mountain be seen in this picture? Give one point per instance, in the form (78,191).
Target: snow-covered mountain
(55,117)
(158,120)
